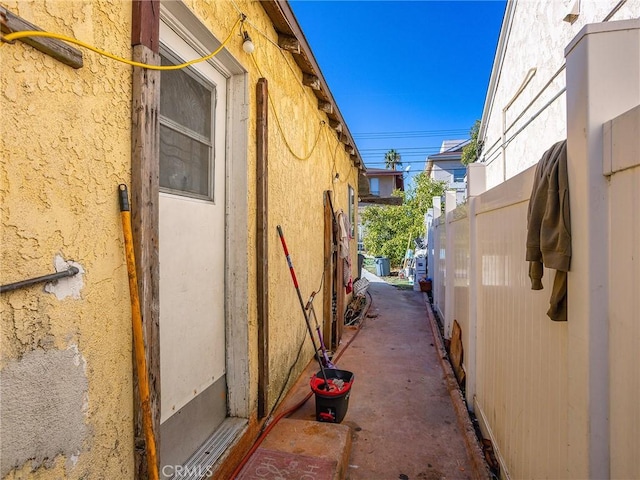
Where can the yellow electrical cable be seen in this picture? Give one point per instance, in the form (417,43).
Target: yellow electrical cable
(335,169)
(333,161)
(291,69)
(284,138)
(11,37)
(282,53)
(285,58)
(279,125)
(37,33)
(351,170)
(333,157)
(333,165)
(298,81)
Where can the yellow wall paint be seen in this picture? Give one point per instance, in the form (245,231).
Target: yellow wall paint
(65,146)
(295,186)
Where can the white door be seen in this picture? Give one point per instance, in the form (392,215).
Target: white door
(192,251)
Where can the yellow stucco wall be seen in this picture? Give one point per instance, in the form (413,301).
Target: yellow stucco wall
(296,185)
(65,146)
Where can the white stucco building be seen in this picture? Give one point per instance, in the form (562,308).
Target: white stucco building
(446,166)
(525,106)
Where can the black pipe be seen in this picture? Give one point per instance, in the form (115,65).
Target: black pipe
(70,272)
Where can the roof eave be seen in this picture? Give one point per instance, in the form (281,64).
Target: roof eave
(498,60)
(285,22)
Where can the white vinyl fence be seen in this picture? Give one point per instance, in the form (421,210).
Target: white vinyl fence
(557,399)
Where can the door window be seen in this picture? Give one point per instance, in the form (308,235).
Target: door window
(187,104)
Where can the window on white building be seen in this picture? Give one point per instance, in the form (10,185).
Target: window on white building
(459,174)
(374,186)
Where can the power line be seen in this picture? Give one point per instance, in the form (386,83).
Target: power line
(403,162)
(415,131)
(407,155)
(385,150)
(411,134)
(387,137)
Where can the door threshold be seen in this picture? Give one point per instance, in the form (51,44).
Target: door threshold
(200,464)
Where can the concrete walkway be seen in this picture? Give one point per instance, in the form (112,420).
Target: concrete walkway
(406,416)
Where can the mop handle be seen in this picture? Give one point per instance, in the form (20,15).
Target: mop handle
(286,253)
(304,312)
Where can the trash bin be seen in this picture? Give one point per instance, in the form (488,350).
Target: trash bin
(360,262)
(382,266)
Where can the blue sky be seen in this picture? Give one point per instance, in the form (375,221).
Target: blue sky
(396,68)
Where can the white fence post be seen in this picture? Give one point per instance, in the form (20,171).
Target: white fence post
(429,239)
(603,64)
(437,207)
(450,261)
(476,185)
(434,251)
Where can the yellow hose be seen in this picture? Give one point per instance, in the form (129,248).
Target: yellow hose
(138,340)
(11,37)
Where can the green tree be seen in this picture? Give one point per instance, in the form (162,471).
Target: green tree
(388,228)
(392,159)
(470,152)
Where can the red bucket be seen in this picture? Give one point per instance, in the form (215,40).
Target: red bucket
(332,403)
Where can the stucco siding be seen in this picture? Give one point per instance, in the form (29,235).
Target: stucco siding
(537,39)
(65,146)
(304,157)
